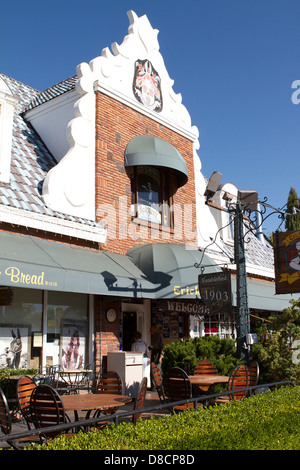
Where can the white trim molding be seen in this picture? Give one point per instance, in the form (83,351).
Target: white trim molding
(52,224)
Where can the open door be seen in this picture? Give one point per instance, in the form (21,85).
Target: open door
(129,329)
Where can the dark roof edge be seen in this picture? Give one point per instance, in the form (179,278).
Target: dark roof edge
(52,92)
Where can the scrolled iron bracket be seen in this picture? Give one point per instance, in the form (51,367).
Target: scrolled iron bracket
(256,217)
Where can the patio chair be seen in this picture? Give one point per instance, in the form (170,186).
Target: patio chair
(139,403)
(158,382)
(178,387)
(6,425)
(25,386)
(112,383)
(253,370)
(238,379)
(47,409)
(205,367)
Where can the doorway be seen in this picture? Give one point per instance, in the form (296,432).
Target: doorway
(129,329)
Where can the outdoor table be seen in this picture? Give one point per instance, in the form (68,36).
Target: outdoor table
(73,377)
(208,379)
(93,401)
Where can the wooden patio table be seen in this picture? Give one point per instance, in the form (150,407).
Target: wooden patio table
(205,383)
(93,401)
(206,380)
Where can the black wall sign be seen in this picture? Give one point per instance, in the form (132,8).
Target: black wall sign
(215,291)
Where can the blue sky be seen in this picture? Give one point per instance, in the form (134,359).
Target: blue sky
(233,61)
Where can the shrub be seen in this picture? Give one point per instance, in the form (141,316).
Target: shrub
(222,352)
(177,353)
(269,421)
(276,347)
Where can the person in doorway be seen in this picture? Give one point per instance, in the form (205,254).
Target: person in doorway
(156,348)
(140,346)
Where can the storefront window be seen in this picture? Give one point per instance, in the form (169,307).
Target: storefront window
(67,330)
(22,333)
(20,328)
(220,325)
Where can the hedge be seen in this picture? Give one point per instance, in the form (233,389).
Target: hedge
(221,351)
(269,421)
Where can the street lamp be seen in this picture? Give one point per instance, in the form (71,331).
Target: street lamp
(242,309)
(249,199)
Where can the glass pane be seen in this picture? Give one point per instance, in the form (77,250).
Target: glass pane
(67,330)
(21,328)
(148,194)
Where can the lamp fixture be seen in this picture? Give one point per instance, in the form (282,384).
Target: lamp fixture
(212,185)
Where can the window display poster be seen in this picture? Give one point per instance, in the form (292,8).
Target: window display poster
(14,347)
(170,325)
(73,344)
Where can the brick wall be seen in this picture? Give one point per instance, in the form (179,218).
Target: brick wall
(116,125)
(106,333)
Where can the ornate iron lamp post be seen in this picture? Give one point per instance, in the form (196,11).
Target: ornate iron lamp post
(248,204)
(242,310)
(246,200)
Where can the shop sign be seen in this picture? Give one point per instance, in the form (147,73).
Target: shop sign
(287,261)
(192,308)
(215,291)
(14,276)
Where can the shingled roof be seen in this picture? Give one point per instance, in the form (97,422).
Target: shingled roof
(31,159)
(52,92)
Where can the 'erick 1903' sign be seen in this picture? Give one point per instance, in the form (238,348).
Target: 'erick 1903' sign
(215,291)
